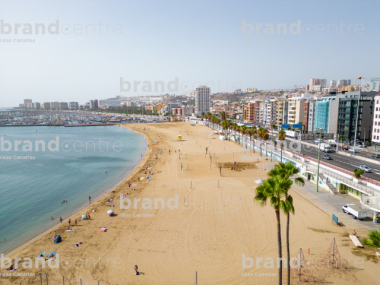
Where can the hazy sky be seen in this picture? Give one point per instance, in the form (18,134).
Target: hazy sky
(191,42)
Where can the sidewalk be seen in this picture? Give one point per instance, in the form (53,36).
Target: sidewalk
(332,204)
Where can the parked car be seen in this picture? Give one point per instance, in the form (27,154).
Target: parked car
(326,156)
(365,168)
(352,150)
(374,155)
(345,147)
(318,140)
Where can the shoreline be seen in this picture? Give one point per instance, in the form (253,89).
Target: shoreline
(97,197)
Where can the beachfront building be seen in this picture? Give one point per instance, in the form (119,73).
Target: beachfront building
(73,106)
(91,104)
(202,100)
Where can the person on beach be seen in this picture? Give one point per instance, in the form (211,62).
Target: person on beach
(3,240)
(136,268)
(354,233)
(66,201)
(89,217)
(51,217)
(76,223)
(69,222)
(60,219)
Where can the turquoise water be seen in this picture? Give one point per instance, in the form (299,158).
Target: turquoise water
(31,190)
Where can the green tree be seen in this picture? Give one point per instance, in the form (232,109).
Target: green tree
(274,189)
(286,172)
(373,238)
(357,172)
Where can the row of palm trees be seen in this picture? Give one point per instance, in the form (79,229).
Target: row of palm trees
(275,189)
(227,125)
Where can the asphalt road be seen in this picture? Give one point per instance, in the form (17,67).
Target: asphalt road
(346,162)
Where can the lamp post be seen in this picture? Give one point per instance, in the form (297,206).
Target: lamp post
(357,114)
(319,154)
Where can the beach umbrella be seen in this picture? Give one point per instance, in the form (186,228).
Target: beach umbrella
(260,181)
(110,212)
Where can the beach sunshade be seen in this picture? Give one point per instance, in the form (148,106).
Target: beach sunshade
(84,216)
(42,254)
(51,253)
(260,181)
(101,231)
(109,211)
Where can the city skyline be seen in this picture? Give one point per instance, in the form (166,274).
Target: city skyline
(89,63)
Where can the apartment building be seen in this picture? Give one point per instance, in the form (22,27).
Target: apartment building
(347,114)
(279,113)
(261,112)
(63,106)
(47,106)
(376,121)
(73,106)
(249,112)
(28,103)
(202,99)
(54,105)
(311,119)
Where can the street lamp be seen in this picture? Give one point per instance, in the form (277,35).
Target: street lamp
(357,113)
(319,152)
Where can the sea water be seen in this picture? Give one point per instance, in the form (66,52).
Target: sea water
(72,167)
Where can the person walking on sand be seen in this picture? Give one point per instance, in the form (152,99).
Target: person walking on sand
(76,223)
(69,222)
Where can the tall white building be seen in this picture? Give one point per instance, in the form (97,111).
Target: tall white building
(202,99)
(376,121)
(333,83)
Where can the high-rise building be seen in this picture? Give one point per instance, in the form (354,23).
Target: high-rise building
(92,106)
(344,82)
(47,106)
(202,99)
(54,105)
(73,106)
(36,106)
(63,106)
(96,104)
(333,83)
(28,103)
(317,81)
(376,121)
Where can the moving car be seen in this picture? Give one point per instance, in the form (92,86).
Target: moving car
(345,147)
(325,147)
(365,168)
(352,150)
(326,156)
(374,155)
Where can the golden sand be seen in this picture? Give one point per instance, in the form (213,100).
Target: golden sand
(215,224)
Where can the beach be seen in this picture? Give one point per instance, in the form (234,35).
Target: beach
(192,218)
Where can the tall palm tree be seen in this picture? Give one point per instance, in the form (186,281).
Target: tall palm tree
(223,115)
(285,172)
(281,137)
(274,189)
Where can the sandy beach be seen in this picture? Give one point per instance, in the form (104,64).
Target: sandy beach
(193,216)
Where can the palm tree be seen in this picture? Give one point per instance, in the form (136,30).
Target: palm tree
(223,115)
(265,136)
(285,172)
(281,137)
(275,189)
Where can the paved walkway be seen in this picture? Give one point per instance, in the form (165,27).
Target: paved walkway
(332,204)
